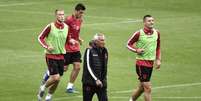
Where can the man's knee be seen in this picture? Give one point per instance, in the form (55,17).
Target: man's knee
(147,87)
(65,67)
(55,78)
(141,88)
(76,66)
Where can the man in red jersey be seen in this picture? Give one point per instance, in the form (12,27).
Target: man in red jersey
(73,55)
(146,43)
(53,39)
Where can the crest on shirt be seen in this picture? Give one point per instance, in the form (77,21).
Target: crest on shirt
(76,27)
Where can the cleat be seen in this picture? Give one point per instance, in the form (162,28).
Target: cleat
(48,98)
(41,93)
(70,90)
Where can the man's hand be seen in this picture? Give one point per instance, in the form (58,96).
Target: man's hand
(158,63)
(65,68)
(81,41)
(139,51)
(73,41)
(99,83)
(50,48)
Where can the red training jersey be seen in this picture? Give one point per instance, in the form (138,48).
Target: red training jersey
(131,46)
(74,26)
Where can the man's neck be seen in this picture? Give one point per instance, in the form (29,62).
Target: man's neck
(148,30)
(76,17)
(58,22)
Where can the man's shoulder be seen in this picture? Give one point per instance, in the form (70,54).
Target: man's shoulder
(69,17)
(157,30)
(87,49)
(137,32)
(48,26)
(104,48)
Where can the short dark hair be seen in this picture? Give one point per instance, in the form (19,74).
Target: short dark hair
(146,17)
(80,6)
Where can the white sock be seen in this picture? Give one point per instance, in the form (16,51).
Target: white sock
(70,85)
(130,99)
(42,87)
(48,96)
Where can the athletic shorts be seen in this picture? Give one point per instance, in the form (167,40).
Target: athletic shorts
(71,57)
(55,66)
(144,73)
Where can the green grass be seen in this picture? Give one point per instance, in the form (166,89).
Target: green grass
(22,60)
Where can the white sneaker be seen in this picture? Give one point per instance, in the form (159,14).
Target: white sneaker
(39,98)
(131,99)
(41,93)
(48,98)
(70,90)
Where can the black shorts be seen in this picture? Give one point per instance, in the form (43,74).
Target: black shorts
(55,66)
(71,57)
(144,73)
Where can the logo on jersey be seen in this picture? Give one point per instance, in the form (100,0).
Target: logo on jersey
(76,27)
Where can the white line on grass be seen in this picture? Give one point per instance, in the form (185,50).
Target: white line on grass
(49,13)
(18,4)
(31,3)
(155,97)
(90,24)
(178,97)
(65,98)
(179,85)
(117,22)
(22,3)
(124,97)
(109,17)
(27,12)
(162,87)
(19,30)
(36,12)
